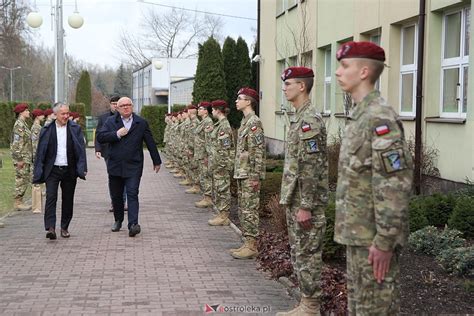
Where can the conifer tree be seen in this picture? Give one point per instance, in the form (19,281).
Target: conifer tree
(209,82)
(122,82)
(84,91)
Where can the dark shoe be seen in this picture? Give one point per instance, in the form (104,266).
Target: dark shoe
(116,226)
(65,233)
(51,234)
(134,230)
(111,210)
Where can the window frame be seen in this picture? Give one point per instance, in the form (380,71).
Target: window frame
(327,81)
(461,62)
(408,69)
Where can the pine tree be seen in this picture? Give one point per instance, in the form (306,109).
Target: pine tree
(209,82)
(122,82)
(84,91)
(231,78)
(100,84)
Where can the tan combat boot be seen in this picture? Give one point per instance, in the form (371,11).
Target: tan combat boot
(193,190)
(19,206)
(178,174)
(309,306)
(220,220)
(248,251)
(36,198)
(236,249)
(205,202)
(174,170)
(185,182)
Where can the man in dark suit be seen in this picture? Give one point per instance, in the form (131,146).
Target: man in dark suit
(102,150)
(60,160)
(125,133)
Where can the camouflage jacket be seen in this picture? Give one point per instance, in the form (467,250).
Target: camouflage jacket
(375,178)
(190,134)
(20,144)
(181,137)
(222,149)
(250,152)
(166,133)
(35,133)
(200,138)
(305,175)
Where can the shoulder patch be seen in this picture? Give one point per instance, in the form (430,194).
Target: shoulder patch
(382,130)
(305,127)
(222,133)
(253,128)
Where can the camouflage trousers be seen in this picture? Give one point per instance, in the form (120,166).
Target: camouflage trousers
(221,189)
(194,170)
(249,201)
(205,178)
(22,180)
(365,295)
(306,247)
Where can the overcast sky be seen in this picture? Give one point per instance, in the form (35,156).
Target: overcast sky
(95,41)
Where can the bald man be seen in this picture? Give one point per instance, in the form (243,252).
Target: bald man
(125,133)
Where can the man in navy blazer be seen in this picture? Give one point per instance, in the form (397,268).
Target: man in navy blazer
(125,133)
(60,160)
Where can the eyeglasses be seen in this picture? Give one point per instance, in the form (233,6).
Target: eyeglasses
(125,105)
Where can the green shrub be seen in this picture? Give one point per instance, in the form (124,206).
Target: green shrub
(155,116)
(417,215)
(438,208)
(431,241)
(271,185)
(459,261)
(462,217)
(331,249)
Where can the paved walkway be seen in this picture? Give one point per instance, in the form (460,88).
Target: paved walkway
(174,267)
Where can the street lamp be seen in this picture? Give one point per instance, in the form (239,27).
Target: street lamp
(11,79)
(158,64)
(35,20)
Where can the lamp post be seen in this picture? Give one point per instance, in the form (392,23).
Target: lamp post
(35,20)
(158,64)
(11,79)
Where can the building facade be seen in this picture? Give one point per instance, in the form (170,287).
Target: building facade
(151,83)
(309,32)
(182,91)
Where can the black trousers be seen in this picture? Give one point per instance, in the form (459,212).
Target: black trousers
(60,176)
(117,186)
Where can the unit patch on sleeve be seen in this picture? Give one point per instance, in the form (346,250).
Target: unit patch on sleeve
(259,139)
(382,130)
(226,142)
(16,137)
(312,146)
(393,160)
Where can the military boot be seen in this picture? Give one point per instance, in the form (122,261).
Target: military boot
(19,206)
(309,306)
(220,220)
(248,251)
(193,190)
(174,170)
(36,198)
(236,249)
(205,202)
(178,174)
(185,182)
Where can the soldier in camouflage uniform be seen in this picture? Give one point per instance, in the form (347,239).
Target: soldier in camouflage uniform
(166,135)
(36,196)
(191,138)
(374,185)
(179,145)
(249,170)
(173,142)
(221,160)
(201,153)
(49,115)
(22,153)
(304,188)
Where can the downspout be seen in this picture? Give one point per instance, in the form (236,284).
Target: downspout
(257,81)
(419,97)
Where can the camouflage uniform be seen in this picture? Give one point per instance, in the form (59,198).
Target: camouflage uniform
(305,185)
(191,135)
(165,139)
(201,153)
(220,164)
(373,190)
(249,166)
(36,198)
(22,150)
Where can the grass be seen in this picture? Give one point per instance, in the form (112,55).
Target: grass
(7,182)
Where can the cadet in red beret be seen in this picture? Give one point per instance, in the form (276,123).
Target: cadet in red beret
(249,170)
(50,116)
(191,167)
(374,185)
(304,187)
(22,153)
(36,199)
(221,163)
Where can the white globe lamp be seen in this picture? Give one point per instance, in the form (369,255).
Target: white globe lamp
(75,20)
(158,64)
(34,19)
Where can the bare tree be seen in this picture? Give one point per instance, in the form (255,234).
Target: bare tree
(172,34)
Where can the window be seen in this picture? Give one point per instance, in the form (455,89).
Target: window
(283,101)
(280,6)
(327,80)
(375,38)
(455,63)
(408,55)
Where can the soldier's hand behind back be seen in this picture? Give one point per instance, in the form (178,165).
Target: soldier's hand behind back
(380,261)
(303,217)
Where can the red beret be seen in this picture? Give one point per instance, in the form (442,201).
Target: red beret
(360,50)
(249,92)
(184,110)
(219,103)
(37,112)
(48,112)
(74,114)
(192,107)
(20,107)
(205,104)
(175,114)
(297,72)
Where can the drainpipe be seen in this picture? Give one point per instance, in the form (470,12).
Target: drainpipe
(257,81)
(419,97)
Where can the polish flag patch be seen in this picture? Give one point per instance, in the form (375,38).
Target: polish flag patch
(305,127)
(253,128)
(221,133)
(382,130)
